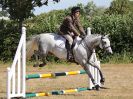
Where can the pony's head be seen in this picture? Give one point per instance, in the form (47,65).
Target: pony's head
(105,44)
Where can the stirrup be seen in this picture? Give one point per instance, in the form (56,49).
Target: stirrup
(70,59)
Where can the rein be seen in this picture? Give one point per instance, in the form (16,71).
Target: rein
(84,44)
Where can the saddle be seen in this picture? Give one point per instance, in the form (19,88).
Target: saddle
(62,43)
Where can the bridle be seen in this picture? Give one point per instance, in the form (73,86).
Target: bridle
(88,47)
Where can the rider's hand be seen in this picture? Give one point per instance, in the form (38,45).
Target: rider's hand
(72,34)
(78,34)
(82,36)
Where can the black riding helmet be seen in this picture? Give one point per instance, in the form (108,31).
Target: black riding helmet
(75,9)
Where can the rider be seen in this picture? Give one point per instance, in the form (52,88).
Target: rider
(71,28)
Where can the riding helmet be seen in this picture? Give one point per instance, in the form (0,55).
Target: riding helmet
(75,9)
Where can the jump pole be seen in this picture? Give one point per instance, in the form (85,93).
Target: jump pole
(94,71)
(56,92)
(53,75)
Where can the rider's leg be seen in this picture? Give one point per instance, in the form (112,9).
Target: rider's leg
(69,49)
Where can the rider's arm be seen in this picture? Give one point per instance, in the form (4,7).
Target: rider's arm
(71,27)
(80,27)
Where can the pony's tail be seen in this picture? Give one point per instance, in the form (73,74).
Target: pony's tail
(31,46)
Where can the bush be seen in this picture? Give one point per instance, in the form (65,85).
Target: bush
(44,23)
(8,40)
(120,28)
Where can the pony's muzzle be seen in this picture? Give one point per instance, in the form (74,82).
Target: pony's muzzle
(109,50)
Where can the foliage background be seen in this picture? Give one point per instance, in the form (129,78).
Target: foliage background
(101,20)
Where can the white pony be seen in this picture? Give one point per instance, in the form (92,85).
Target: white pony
(46,43)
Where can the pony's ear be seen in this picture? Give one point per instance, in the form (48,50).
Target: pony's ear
(107,35)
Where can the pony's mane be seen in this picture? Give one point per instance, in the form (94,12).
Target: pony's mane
(93,40)
(94,35)
(31,37)
(91,37)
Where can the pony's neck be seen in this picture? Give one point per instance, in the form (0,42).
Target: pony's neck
(95,42)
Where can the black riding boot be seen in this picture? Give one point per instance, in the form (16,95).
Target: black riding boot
(69,53)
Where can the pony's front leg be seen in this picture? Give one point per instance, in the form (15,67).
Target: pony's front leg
(96,65)
(86,68)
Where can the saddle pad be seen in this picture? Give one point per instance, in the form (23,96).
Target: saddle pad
(60,42)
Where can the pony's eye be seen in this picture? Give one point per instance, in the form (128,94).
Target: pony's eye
(104,42)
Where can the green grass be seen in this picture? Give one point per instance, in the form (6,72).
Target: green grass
(118,58)
(111,59)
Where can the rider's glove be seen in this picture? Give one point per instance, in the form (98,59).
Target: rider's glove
(82,36)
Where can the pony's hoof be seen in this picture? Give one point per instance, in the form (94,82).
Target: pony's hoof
(97,87)
(35,65)
(102,81)
(42,65)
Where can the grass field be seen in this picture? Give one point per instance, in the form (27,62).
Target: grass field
(119,80)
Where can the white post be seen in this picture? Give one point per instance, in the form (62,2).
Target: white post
(97,72)
(14,81)
(90,67)
(24,62)
(16,75)
(19,73)
(8,83)
(94,71)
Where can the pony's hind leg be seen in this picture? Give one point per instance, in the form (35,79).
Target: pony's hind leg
(36,54)
(44,60)
(43,55)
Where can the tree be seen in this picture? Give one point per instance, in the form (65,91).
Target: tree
(90,8)
(82,10)
(3,13)
(19,10)
(119,7)
(131,6)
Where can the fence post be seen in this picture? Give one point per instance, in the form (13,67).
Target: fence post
(24,63)
(94,71)
(16,82)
